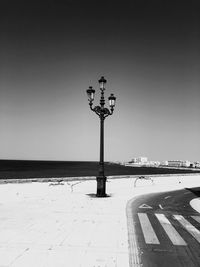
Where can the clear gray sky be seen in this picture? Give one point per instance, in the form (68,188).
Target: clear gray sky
(51,51)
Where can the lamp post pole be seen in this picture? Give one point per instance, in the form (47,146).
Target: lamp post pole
(102,112)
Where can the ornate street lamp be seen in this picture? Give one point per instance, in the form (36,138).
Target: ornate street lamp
(102,112)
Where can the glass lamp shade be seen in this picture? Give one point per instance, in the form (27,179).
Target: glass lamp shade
(90,93)
(112,100)
(102,83)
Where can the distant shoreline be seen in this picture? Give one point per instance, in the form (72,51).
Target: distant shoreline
(28,169)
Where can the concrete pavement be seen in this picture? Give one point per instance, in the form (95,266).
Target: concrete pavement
(51,225)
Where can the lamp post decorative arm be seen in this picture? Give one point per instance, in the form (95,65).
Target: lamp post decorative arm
(102,113)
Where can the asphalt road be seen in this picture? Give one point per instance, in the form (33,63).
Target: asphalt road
(167,229)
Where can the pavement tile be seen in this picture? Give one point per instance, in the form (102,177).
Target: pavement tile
(10,255)
(43,225)
(31,258)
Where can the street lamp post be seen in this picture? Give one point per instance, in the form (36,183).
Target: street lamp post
(102,112)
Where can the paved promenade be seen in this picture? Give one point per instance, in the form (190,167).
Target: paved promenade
(59,225)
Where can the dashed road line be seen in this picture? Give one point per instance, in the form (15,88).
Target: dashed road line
(150,235)
(171,232)
(196,218)
(188,226)
(147,229)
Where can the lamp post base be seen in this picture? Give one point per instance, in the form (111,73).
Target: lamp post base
(101,186)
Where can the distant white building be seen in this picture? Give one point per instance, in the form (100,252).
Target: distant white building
(154,163)
(140,160)
(186,163)
(197,164)
(178,163)
(143,161)
(164,163)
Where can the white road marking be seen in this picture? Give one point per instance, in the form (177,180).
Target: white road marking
(147,229)
(160,206)
(167,197)
(173,235)
(196,218)
(188,226)
(145,206)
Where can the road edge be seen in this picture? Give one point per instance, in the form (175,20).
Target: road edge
(195,204)
(134,254)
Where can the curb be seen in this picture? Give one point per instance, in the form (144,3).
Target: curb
(195,204)
(134,254)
